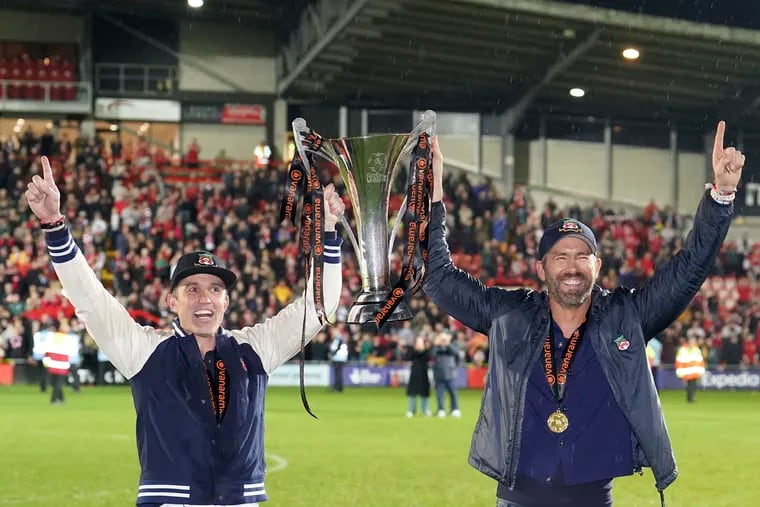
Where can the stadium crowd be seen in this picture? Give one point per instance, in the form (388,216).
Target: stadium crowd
(133,225)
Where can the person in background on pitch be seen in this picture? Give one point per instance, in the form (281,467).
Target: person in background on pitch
(654,355)
(198,388)
(419,381)
(56,361)
(690,366)
(72,329)
(569,402)
(445,362)
(338,358)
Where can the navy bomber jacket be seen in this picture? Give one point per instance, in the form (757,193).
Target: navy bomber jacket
(186,456)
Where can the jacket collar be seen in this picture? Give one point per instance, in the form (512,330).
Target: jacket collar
(180,332)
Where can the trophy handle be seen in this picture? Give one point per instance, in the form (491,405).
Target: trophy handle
(396,225)
(352,237)
(426,124)
(299,125)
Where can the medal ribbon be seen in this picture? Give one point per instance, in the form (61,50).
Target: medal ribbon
(217,390)
(557,376)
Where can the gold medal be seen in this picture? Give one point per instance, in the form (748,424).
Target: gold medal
(557,422)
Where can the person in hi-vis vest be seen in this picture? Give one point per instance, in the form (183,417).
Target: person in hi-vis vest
(57,363)
(690,366)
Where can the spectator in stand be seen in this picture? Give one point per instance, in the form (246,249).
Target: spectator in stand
(749,355)
(262,154)
(732,350)
(192,158)
(317,349)
(245,210)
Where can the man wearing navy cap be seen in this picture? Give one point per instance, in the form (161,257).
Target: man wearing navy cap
(569,402)
(198,388)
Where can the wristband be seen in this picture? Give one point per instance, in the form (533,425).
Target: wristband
(723,192)
(53,226)
(724,197)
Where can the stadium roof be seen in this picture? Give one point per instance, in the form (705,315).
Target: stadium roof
(493,55)
(497,54)
(273,15)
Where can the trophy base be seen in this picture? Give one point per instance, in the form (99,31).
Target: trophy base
(367,304)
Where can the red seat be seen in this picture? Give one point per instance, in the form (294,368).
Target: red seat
(43,76)
(67,75)
(54,77)
(4,72)
(28,74)
(14,91)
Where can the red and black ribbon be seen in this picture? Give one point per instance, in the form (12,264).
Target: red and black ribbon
(217,390)
(556,375)
(416,221)
(303,185)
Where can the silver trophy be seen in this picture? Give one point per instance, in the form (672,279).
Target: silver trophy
(368,166)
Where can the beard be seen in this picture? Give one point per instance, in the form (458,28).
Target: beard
(570,296)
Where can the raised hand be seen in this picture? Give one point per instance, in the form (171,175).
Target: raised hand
(334,207)
(727,162)
(43,196)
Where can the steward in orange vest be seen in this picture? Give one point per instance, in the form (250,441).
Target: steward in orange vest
(690,366)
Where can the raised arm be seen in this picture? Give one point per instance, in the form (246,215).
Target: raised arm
(453,290)
(673,286)
(278,338)
(127,344)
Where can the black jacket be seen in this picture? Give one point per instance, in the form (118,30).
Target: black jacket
(517,322)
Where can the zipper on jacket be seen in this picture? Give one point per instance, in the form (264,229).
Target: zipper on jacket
(512,471)
(638,469)
(515,454)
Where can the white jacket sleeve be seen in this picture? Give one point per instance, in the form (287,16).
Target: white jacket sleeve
(126,344)
(278,338)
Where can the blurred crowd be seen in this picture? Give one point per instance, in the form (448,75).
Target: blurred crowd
(132,226)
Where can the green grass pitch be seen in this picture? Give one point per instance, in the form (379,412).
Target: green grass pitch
(362,452)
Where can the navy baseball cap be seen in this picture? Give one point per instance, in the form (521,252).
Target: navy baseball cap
(201,262)
(565,228)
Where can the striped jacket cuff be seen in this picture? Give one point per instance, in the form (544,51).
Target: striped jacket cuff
(61,245)
(332,247)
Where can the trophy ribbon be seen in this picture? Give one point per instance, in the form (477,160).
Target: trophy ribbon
(416,220)
(303,185)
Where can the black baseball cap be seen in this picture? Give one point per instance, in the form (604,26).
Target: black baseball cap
(201,262)
(565,228)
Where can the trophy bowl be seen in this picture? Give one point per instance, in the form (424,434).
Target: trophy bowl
(368,166)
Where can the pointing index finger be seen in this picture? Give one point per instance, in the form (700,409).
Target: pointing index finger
(718,147)
(47,171)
